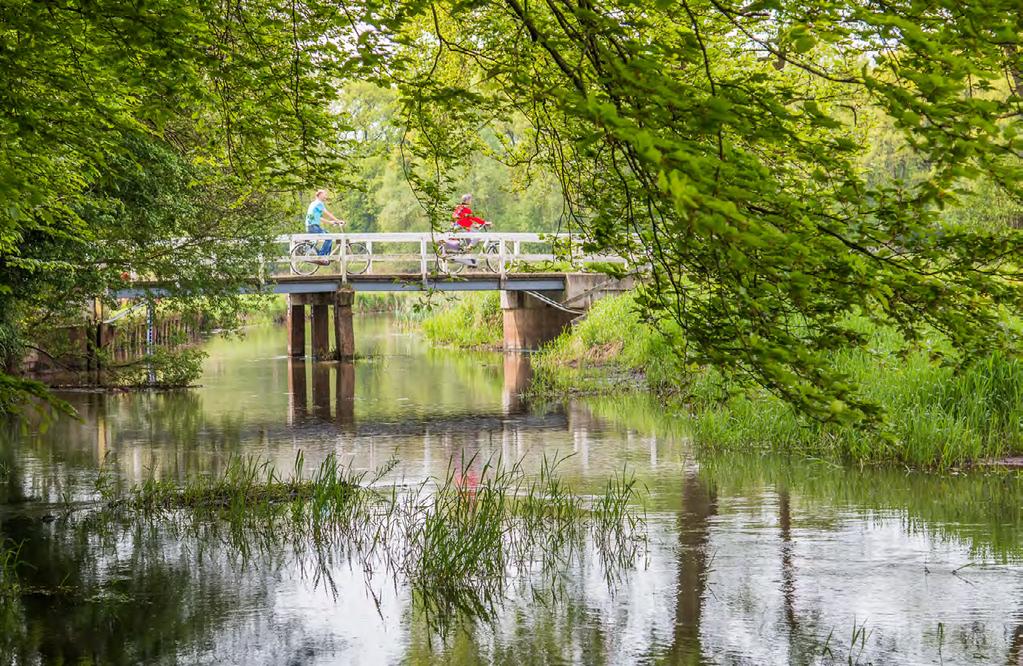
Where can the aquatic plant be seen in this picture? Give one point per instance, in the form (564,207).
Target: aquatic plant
(11,624)
(459,542)
(9,559)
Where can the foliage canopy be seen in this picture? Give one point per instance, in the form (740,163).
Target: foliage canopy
(726,144)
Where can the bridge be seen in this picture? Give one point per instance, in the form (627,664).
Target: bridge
(546,280)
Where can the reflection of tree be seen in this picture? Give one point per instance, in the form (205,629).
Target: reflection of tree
(1015,657)
(788,575)
(699,504)
(100,592)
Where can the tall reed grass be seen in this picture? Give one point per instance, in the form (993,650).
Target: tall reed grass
(454,541)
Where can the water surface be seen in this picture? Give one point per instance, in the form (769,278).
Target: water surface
(748,559)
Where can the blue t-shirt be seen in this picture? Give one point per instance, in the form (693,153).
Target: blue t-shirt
(314,213)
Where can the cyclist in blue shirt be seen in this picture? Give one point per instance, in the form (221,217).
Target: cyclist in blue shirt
(317,209)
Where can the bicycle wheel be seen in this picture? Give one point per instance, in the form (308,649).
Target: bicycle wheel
(492,257)
(304,258)
(359,259)
(448,262)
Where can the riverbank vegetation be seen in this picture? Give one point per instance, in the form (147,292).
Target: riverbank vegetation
(936,409)
(469,321)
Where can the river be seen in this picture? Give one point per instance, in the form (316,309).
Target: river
(746,559)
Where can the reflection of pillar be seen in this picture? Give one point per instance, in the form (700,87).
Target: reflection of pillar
(344,332)
(517,373)
(296,329)
(699,504)
(296,389)
(321,332)
(321,390)
(345,393)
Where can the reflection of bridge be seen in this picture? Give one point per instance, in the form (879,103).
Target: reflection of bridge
(333,390)
(537,306)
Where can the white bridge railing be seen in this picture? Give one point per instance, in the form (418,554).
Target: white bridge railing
(426,253)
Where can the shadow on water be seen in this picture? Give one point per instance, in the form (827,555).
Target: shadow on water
(747,558)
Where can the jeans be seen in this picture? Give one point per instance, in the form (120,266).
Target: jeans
(317,229)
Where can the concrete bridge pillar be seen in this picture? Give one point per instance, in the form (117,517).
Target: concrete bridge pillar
(529,322)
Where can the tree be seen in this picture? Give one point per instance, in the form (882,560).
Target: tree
(127,126)
(723,142)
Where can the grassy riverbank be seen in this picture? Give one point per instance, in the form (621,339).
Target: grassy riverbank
(935,416)
(470,321)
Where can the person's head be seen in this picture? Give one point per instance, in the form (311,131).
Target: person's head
(466,199)
(321,195)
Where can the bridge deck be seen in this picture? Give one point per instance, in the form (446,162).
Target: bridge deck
(296,284)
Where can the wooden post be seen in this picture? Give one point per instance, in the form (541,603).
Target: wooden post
(422,258)
(343,254)
(344,331)
(321,332)
(296,329)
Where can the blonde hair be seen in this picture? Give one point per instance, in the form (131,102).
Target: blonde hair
(466,198)
(319,192)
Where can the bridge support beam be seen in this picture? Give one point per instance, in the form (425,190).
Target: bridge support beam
(321,332)
(344,331)
(296,328)
(322,303)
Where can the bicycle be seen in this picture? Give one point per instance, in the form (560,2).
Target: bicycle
(306,259)
(452,259)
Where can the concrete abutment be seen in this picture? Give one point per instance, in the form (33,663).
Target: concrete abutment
(532,318)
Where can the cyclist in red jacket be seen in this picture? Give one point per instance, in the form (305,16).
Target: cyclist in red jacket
(463,216)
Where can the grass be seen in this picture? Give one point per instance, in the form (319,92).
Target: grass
(610,350)
(936,416)
(469,321)
(455,542)
(9,559)
(11,620)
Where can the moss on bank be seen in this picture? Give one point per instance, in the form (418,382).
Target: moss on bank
(936,416)
(470,321)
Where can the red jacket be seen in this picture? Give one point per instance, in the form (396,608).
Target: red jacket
(464,218)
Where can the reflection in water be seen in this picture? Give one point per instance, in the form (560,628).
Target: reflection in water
(345,392)
(517,373)
(332,382)
(750,559)
(298,393)
(698,506)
